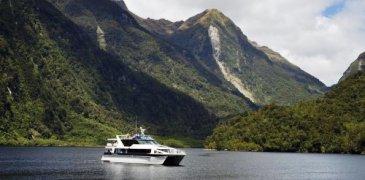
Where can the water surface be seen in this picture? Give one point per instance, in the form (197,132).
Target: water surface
(84,163)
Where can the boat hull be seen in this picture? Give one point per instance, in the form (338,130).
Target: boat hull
(168,160)
(134,159)
(173,160)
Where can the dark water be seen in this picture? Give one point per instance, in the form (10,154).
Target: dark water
(84,163)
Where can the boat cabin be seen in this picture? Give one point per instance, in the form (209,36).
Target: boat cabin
(131,145)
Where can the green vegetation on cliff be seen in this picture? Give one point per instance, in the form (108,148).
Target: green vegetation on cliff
(265,75)
(57,87)
(332,124)
(144,52)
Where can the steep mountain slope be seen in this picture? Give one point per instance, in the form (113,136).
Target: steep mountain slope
(118,32)
(332,124)
(121,4)
(355,67)
(57,86)
(161,27)
(257,72)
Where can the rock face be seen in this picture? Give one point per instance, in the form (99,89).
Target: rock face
(257,72)
(230,77)
(101,38)
(355,67)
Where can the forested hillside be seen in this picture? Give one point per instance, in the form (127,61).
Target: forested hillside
(58,87)
(117,30)
(332,124)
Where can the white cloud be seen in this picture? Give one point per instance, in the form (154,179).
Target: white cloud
(322,46)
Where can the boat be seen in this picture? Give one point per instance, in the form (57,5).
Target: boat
(140,149)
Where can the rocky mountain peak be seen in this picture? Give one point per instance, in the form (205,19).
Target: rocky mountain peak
(246,66)
(213,12)
(215,16)
(362,56)
(357,66)
(206,18)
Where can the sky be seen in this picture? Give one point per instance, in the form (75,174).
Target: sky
(322,37)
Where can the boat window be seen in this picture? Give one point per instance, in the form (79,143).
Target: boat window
(164,150)
(129,142)
(121,151)
(108,152)
(139,151)
(147,142)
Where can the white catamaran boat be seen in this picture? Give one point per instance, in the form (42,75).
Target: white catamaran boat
(140,149)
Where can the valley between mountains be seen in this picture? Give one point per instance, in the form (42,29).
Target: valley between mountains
(75,72)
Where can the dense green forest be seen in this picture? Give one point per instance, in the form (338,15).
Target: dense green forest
(332,124)
(57,87)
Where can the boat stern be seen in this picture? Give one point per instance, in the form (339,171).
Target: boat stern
(173,160)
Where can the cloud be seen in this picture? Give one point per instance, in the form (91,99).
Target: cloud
(322,37)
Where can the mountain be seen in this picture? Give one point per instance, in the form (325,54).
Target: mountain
(258,73)
(76,72)
(355,67)
(118,32)
(57,86)
(332,124)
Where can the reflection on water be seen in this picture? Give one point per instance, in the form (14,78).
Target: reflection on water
(140,171)
(84,163)
(137,171)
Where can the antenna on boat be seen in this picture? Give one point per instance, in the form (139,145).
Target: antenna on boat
(142,130)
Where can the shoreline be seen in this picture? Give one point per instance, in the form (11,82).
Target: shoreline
(202,148)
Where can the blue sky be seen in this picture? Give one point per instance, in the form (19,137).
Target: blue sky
(334,9)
